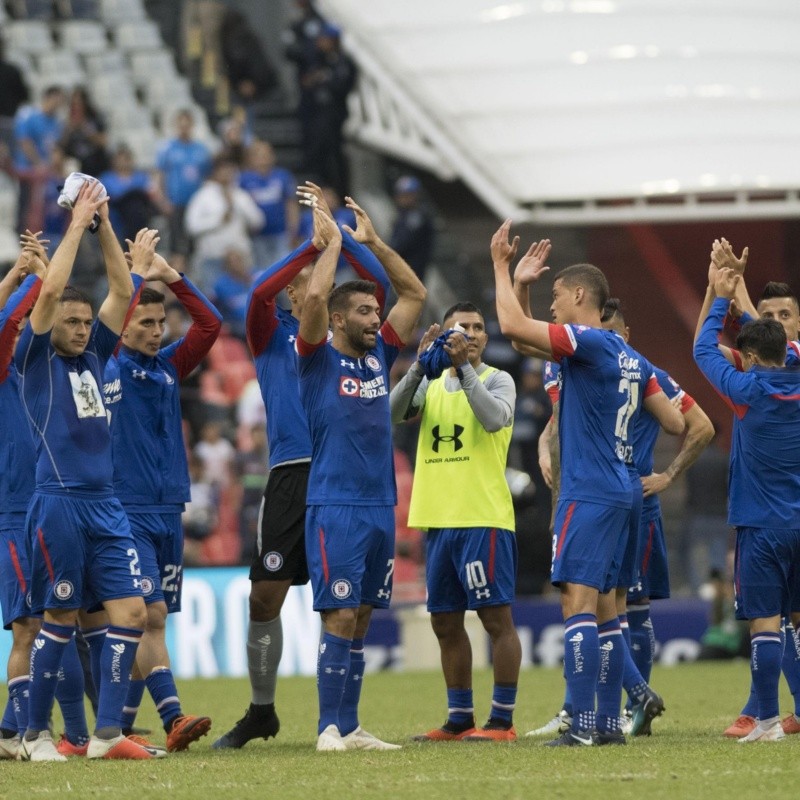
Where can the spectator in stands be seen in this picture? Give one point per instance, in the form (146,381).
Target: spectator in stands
(55,219)
(230,290)
(414,232)
(220,217)
(217,455)
(135,196)
(236,139)
(182,163)
(324,86)
(84,136)
(13,94)
(250,409)
(273,190)
(200,515)
(301,37)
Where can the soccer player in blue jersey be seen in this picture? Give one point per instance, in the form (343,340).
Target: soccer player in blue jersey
(151,474)
(82,552)
(279,555)
(764,486)
(344,389)
(604,383)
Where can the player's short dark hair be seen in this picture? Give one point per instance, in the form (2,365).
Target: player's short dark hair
(591,278)
(764,337)
(51,90)
(465,306)
(612,308)
(775,289)
(339,298)
(73,295)
(149,296)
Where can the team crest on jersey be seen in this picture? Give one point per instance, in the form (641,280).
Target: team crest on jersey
(348,386)
(28,600)
(63,590)
(148,587)
(273,561)
(373,363)
(168,378)
(341,589)
(86,395)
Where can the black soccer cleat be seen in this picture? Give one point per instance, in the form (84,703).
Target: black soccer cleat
(608,737)
(572,739)
(259,722)
(644,712)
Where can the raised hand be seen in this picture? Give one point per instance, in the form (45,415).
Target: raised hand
(160,270)
(504,251)
(142,250)
(723,257)
(88,203)
(312,195)
(428,338)
(326,231)
(726,281)
(365,231)
(531,266)
(34,243)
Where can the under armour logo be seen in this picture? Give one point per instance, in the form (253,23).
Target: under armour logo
(457,443)
(482,594)
(345,363)
(292,338)
(383,594)
(139,373)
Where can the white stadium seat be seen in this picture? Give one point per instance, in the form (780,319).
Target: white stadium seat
(83,36)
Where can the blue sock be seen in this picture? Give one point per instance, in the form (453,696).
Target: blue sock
(348,710)
(161,685)
(751,706)
(46,654)
(132,703)
(332,668)
(69,693)
(790,665)
(625,628)
(116,662)
(632,680)
(504,698)
(95,638)
(460,708)
(609,681)
(18,696)
(642,639)
(9,721)
(765,667)
(567,700)
(581,667)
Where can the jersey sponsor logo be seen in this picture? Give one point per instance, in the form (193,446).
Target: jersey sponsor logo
(168,378)
(341,589)
(63,590)
(438,438)
(373,363)
(273,561)
(148,587)
(112,391)
(139,374)
(349,387)
(86,395)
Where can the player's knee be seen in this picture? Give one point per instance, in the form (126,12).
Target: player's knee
(497,621)
(447,626)
(266,601)
(24,632)
(156,617)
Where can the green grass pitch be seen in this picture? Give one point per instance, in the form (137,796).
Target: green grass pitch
(685,758)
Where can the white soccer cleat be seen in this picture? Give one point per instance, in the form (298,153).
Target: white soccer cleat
(9,748)
(359,739)
(772,732)
(330,740)
(626,722)
(561,722)
(42,748)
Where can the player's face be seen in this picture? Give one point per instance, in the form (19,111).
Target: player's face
(362,321)
(146,329)
(475,328)
(783,310)
(563,306)
(72,327)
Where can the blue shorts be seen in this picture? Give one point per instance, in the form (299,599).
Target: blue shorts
(767,572)
(159,542)
(626,559)
(586,538)
(470,568)
(653,581)
(350,552)
(82,552)
(15,572)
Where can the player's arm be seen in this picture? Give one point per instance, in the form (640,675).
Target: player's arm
(410,292)
(407,399)
(513,322)
(315,319)
(13,278)
(699,432)
(543,451)
(665,412)
(192,348)
(529,269)
(87,203)
(115,307)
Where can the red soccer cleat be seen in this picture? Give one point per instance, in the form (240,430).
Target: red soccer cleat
(743,726)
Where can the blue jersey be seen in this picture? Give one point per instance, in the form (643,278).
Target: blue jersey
(603,383)
(271,334)
(64,405)
(118,185)
(40,128)
(270,193)
(792,347)
(764,474)
(142,395)
(551,378)
(346,401)
(185,166)
(17,459)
